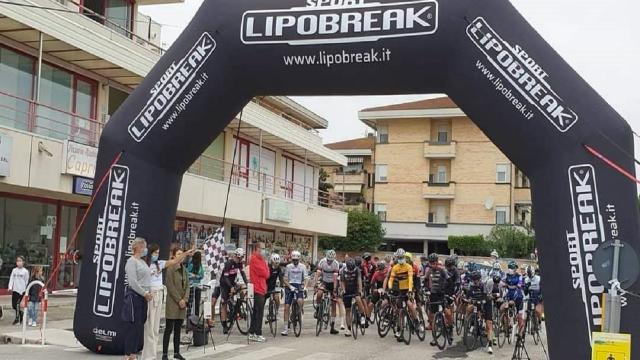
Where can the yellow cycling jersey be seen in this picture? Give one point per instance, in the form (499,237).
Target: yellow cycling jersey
(403,273)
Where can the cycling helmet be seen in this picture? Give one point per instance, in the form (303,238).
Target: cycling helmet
(513,265)
(424,258)
(351,264)
(471,266)
(399,253)
(275,258)
(495,254)
(358,261)
(382,265)
(497,266)
(331,255)
(408,256)
(496,279)
(450,262)
(295,255)
(529,271)
(366,256)
(475,275)
(240,252)
(433,258)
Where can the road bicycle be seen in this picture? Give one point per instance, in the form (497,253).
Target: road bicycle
(355,318)
(474,327)
(272,312)
(238,312)
(441,332)
(323,312)
(507,325)
(533,323)
(295,316)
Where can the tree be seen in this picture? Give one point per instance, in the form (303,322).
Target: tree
(364,232)
(324,188)
(511,242)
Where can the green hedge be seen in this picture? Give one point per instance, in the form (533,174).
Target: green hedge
(473,245)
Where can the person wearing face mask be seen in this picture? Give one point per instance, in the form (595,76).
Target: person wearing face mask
(17,285)
(514,282)
(154,308)
(137,294)
(258,273)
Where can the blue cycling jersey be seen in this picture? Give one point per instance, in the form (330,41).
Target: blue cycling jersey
(514,286)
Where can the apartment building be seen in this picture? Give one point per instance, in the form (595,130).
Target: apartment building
(437,174)
(354,182)
(65,67)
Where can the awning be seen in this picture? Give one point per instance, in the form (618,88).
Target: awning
(355,160)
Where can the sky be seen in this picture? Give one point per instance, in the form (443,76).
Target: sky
(599,39)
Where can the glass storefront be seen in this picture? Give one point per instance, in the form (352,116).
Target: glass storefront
(186,232)
(288,242)
(32,229)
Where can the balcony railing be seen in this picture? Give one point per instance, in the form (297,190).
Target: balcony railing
(217,169)
(438,190)
(347,178)
(438,150)
(522,195)
(28,115)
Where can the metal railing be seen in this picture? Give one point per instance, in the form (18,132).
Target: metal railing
(28,115)
(241,176)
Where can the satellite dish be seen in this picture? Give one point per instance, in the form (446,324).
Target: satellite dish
(488,203)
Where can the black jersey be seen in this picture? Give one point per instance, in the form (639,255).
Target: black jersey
(276,274)
(230,273)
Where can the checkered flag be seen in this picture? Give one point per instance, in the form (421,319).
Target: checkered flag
(213,249)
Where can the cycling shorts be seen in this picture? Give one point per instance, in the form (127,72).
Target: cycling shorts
(289,295)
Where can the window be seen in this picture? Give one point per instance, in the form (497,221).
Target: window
(119,14)
(503,173)
(441,177)
(383,135)
(502,215)
(438,215)
(443,134)
(381,211)
(16,80)
(381,173)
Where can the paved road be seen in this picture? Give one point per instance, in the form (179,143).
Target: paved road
(307,347)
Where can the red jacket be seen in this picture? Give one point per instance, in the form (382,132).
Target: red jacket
(259,273)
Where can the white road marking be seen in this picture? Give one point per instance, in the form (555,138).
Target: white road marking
(261,354)
(199,353)
(319,356)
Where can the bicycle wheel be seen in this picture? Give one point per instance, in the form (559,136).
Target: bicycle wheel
(243,317)
(273,318)
(407,327)
(502,333)
(459,322)
(297,322)
(535,328)
(469,333)
(439,330)
(325,316)
(319,318)
(385,320)
(421,328)
(355,321)
(481,334)
(513,325)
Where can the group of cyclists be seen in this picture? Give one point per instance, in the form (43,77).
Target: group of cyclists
(453,289)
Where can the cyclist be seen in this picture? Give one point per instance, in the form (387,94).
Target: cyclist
(229,283)
(377,284)
(327,281)
(216,292)
(401,278)
(351,288)
(533,289)
(294,276)
(276,274)
(513,282)
(496,270)
(451,289)
(424,264)
(435,282)
(478,292)
(368,267)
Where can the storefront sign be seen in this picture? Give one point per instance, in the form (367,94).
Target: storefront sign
(277,210)
(82,186)
(607,346)
(5,154)
(80,159)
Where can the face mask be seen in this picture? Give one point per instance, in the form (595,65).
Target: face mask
(145,252)
(400,261)
(154,258)
(511,271)
(263,253)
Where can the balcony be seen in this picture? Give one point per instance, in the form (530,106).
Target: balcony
(28,115)
(350,178)
(522,196)
(438,150)
(432,190)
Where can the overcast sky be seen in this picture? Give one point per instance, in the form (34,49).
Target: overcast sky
(600,39)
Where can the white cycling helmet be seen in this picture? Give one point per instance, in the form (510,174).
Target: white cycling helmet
(399,253)
(495,254)
(497,266)
(275,258)
(240,252)
(331,255)
(295,255)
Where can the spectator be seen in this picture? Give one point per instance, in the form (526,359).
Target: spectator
(17,285)
(137,294)
(196,274)
(178,293)
(258,273)
(34,297)
(152,326)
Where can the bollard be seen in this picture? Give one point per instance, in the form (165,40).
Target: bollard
(25,317)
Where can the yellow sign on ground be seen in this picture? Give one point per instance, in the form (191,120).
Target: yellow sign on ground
(608,346)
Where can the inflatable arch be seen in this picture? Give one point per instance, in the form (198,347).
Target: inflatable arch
(482,53)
